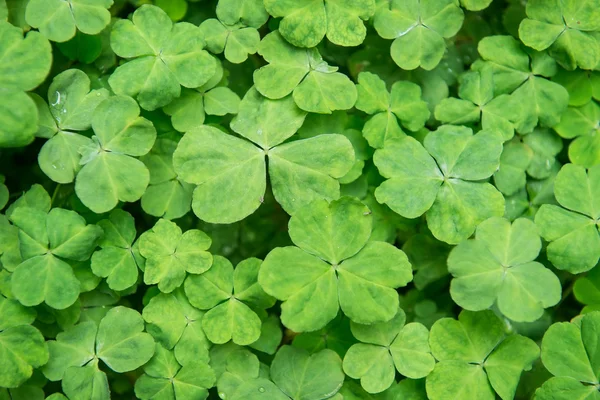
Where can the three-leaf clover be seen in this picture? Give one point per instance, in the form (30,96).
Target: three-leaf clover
(236,41)
(70,110)
(402,104)
(442,179)
(306,22)
(47,238)
(24,64)
(566,29)
(497,267)
(334,266)
(241,367)
(315,85)
(228,295)
(477,360)
(418,28)
(110,171)
(230,173)
(118,341)
(166,379)
(572,229)
(569,353)
(385,346)
(116,261)
(170,254)
(539,99)
(164,57)
(177,326)
(582,124)
(59,20)
(22,347)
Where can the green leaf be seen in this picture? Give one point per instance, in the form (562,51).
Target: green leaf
(305,24)
(22,348)
(249,12)
(237,41)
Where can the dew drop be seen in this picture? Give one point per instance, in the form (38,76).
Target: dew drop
(261,389)
(259,131)
(222,395)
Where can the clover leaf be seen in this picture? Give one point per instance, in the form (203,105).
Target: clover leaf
(110,173)
(402,104)
(569,353)
(165,378)
(565,29)
(177,326)
(334,267)
(24,64)
(22,347)
(478,104)
(228,295)
(164,57)
(572,229)
(586,290)
(116,261)
(476,358)
(385,346)
(170,254)
(167,196)
(443,179)
(303,376)
(336,336)
(497,267)
(248,12)
(514,72)
(47,239)
(242,367)
(582,124)
(70,110)
(315,85)
(118,341)
(305,23)
(236,41)
(418,28)
(230,173)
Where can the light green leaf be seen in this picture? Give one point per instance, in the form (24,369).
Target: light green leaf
(22,348)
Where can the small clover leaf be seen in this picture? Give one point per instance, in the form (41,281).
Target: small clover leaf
(335,267)
(315,85)
(236,41)
(164,57)
(442,179)
(242,367)
(572,229)
(305,23)
(477,358)
(110,171)
(170,254)
(582,124)
(59,20)
(497,267)
(24,64)
(388,109)
(418,28)
(385,346)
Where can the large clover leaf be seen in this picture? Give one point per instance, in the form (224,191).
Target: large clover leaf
(170,254)
(565,28)
(46,240)
(333,267)
(110,171)
(477,360)
(572,231)
(385,346)
(316,86)
(59,20)
(166,379)
(569,353)
(538,99)
(164,56)
(22,346)
(118,341)
(582,124)
(177,325)
(305,22)
(231,172)
(497,267)
(228,295)
(388,109)
(442,179)
(418,28)
(116,260)
(70,110)
(24,64)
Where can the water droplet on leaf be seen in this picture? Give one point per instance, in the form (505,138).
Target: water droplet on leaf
(261,389)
